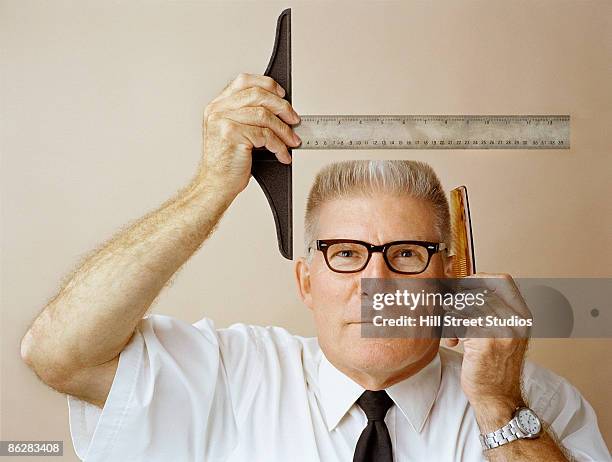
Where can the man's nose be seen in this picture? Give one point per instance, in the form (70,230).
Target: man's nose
(377,267)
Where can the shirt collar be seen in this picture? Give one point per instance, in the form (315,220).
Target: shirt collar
(414,396)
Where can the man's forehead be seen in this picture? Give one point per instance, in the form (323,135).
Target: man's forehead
(380,216)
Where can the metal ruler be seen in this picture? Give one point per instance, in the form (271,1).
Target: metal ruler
(434,132)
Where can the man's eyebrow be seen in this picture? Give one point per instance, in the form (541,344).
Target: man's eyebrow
(418,237)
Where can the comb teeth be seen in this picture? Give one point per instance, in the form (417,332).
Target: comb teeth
(460,267)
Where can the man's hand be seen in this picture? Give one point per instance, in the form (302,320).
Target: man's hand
(491,370)
(250,112)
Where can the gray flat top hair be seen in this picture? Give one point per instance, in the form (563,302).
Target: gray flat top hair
(354,178)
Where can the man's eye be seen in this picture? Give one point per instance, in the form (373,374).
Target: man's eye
(407,253)
(344,253)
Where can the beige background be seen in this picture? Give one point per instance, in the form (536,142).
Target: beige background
(101,112)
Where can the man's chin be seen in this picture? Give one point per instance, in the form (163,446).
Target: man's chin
(373,357)
(366,330)
(377,350)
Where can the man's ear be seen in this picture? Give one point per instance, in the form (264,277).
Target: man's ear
(449,261)
(302,279)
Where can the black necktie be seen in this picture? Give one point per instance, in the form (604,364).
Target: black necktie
(374,444)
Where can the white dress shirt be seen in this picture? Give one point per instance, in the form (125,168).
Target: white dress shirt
(187,392)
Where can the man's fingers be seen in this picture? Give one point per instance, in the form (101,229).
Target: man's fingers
(262,117)
(496,306)
(244,80)
(264,136)
(237,134)
(495,282)
(256,96)
(501,284)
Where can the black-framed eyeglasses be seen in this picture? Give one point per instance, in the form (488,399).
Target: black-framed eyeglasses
(404,257)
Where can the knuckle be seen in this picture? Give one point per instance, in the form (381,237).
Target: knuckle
(241,78)
(212,116)
(267,133)
(270,81)
(226,127)
(287,130)
(208,110)
(261,113)
(256,92)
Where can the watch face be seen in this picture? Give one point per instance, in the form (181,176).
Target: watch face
(528,421)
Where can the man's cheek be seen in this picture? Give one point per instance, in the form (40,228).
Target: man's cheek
(328,313)
(326,289)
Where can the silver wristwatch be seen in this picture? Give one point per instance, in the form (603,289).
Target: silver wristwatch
(524,424)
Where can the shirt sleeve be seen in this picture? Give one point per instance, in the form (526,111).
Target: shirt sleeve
(569,414)
(175,395)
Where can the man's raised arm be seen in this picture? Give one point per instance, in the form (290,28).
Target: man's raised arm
(74,343)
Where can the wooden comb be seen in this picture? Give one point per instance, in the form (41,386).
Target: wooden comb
(462,246)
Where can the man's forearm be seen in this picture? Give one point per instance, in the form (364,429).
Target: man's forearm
(543,449)
(95,313)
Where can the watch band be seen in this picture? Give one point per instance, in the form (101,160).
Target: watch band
(503,435)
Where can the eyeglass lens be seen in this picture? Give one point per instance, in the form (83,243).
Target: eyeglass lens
(350,256)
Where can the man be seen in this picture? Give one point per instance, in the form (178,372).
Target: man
(158,389)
